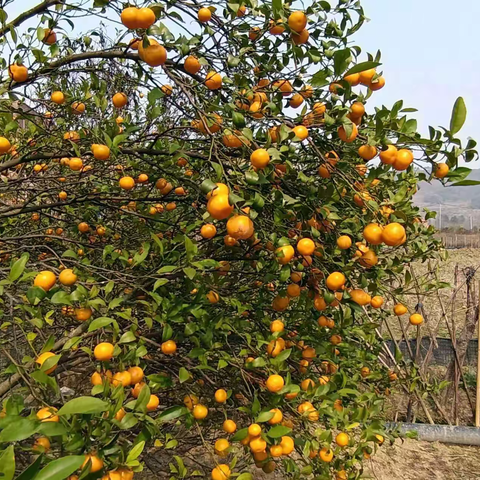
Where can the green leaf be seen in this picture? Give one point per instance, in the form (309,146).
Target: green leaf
(51,429)
(459,115)
(245,476)
(361,67)
(61,468)
(34,293)
(136,451)
(31,470)
(100,323)
(7,464)
(18,267)
(341,60)
(278,431)
(190,272)
(84,405)
(143,399)
(265,416)
(61,298)
(127,337)
(240,435)
(183,374)
(172,412)
(466,183)
(19,430)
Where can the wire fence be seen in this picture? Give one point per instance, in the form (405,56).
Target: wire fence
(460,240)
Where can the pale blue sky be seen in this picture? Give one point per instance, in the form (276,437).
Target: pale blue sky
(429,54)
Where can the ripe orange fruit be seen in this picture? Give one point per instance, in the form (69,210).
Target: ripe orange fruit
(47,414)
(45,280)
(129,17)
(274,383)
(122,378)
(277,326)
(78,108)
(213,297)
(41,445)
(307,384)
(297,21)
(220,396)
(440,170)
(204,15)
(96,462)
(229,426)
(343,134)
(145,18)
(127,183)
(300,38)
(119,416)
(75,164)
(67,277)
(200,411)
(335,281)
(213,80)
(305,246)
(283,86)
(18,72)
(83,227)
(360,297)
(275,28)
(167,90)
(416,319)
(254,430)
(96,379)
(276,451)
(353,80)
(293,290)
(301,132)
(221,472)
(208,231)
(221,447)
(62,195)
(218,207)
(367,152)
(287,445)
(57,97)
(103,351)
(368,259)
(136,374)
(153,403)
(403,159)
(275,347)
(284,254)
(135,391)
(326,455)
(49,37)
(169,347)
(377,301)
(257,445)
(240,227)
(342,439)
(400,309)
(373,234)
(192,65)
(344,242)
(154,54)
(260,158)
(393,234)
(101,152)
(377,84)
(119,100)
(296,100)
(42,358)
(366,76)
(389,155)
(357,109)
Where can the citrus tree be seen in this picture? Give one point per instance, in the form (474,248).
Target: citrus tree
(202,227)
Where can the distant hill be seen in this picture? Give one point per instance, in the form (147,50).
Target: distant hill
(460,206)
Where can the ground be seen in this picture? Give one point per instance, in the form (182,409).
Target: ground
(414,460)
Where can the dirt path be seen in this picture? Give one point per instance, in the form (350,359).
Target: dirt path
(415,460)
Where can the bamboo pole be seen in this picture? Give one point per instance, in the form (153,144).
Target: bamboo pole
(477,405)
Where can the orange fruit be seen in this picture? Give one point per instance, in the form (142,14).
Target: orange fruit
(440,170)
(275,28)
(296,100)
(78,108)
(83,227)
(67,277)
(257,445)
(373,234)
(416,319)
(42,358)
(127,183)
(301,132)
(136,374)
(154,54)
(297,21)
(49,37)
(277,416)
(167,90)
(360,297)
(368,259)
(169,347)
(367,152)
(213,297)
(305,246)
(358,109)
(240,227)
(366,76)
(293,290)
(135,391)
(200,411)
(18,72)
(260,158)
(326,455)
(300,38)
(145,18)
(41,445)
(213,80)
(129,17)
(254,430)
(119,100)
(62,195)
(276,451)
(274,383)
(101,152)
(277,326)
(122,378)
(47,414)
(218,207)
(192,65)
(208,231)
(221,472)
(343,134)
(389,155)
(45,280)
(58,98)
(254,33)
(376,301)
(220,396)
(344,242)
(342,439)
(307,384)
(221,447)
(96,462)
(403,159)
(335,281)
(119,416)
(353,80)
(275,347)
(204,15)
(393,234)
(103,351)
(400,309)
(153,403)
(75,164)
(284,254)
(377,84)
(283,86)
(287,445)
(229,426)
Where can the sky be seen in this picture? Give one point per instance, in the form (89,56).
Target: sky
(429,55)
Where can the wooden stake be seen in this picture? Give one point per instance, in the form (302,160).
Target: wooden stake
(477,406)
